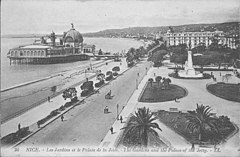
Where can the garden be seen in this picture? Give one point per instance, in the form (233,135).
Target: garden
(226,91)
(161,90)
(199,126)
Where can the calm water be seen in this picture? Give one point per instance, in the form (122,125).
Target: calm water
(18,74)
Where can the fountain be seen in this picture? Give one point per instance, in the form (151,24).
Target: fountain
(189,71)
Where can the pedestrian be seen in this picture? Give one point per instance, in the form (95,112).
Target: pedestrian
(38,124)
(106,109)
(192,146)
(138,74)
(111,129)
(48,98)
(211,73)
(120,63)
(19,126)
(154,74)
(121,119)
(62,117)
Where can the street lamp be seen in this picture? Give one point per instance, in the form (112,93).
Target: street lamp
(136,83)
(117,112)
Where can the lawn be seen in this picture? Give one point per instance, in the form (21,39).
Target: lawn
(155,93)
(225,90)
(177,121)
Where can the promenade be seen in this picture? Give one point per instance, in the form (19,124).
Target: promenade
(30,117)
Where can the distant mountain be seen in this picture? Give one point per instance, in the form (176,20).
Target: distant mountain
(228,27)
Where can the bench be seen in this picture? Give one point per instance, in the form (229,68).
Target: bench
(173,109)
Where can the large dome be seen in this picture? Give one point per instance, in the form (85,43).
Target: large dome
(73,36)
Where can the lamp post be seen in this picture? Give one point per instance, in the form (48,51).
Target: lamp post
(136,83)
(117,112)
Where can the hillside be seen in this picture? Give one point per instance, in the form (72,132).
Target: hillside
(229,27)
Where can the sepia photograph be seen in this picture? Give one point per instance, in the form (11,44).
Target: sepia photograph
(120,78)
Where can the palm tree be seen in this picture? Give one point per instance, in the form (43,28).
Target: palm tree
(151,81)
(142,124)
(158,79)
(201,121)
(168,81)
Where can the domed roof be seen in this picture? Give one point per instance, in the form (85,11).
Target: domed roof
(73,36)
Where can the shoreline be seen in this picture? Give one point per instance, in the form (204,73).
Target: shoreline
(41,100)
(43,79)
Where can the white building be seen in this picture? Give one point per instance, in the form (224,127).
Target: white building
(195,38)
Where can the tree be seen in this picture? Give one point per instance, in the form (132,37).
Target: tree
(109,75)
(218,58)
(142,124)
(116,69)
(151,81)
(70,93)
(87,86)
(158,79)
(157,57)
(166,82)
(201,60)
(100,52)
(100,77)
(201,121)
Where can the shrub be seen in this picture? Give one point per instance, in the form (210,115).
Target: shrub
(87,88)
(157,64)
(86,92)
(62,108)
(68,104)
(99,84)
(115,74)
(109,78)
(54,113)
(13,138)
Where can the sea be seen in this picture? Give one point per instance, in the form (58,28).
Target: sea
(13,75)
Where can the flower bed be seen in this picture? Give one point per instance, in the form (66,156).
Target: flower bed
(177,121)
(155,93)
(226,91)
(13,138)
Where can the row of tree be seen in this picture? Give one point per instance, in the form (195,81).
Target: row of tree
(134,55)
(204,56)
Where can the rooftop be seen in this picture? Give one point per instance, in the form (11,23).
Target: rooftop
(35,47)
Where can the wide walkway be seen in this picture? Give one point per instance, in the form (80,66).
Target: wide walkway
(30,117)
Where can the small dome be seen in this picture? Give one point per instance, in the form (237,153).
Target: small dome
(73,36)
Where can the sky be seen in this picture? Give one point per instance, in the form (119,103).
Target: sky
(43,16)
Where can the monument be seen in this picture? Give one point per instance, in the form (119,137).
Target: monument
(189,71)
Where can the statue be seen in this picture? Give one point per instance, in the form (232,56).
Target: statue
(189,71)
(189,45)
